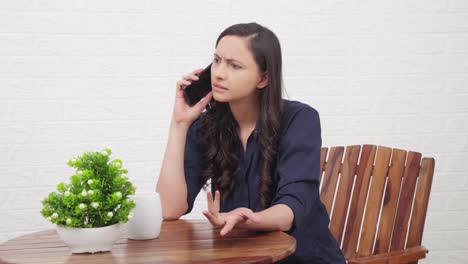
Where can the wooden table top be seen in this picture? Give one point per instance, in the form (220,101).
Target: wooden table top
(180,241)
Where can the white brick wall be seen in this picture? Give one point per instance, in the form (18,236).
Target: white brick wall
(81,75)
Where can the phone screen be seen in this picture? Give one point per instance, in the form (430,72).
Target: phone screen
(199,88)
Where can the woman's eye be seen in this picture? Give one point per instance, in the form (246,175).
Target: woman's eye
(235,66)
(216,60)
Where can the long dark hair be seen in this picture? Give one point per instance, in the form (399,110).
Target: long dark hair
(219,128)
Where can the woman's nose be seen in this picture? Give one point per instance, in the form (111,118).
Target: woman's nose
(218,71)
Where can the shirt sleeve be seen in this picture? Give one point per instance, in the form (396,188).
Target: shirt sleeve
(298,168)
(192,165)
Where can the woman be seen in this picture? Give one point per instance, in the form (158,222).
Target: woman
(261,153)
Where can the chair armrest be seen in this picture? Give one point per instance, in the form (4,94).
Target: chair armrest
(399,256)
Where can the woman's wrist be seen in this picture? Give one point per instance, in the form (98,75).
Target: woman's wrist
(180,124)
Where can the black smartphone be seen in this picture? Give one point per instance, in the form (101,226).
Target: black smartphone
(200,88)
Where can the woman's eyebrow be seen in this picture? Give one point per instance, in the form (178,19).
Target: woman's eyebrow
(217,56)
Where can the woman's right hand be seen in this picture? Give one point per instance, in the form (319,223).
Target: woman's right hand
(183,112)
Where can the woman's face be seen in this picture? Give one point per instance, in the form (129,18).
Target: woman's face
(234,68)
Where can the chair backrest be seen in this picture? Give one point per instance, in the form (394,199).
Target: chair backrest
(377,197)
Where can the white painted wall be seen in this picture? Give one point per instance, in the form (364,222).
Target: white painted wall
(83,75)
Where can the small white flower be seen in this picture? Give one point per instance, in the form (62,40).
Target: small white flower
(72,161)
(105,153)
(82,206)
(66,193)
(118,207)
(119,194)
(90,182)
(79,172)
(84,193)
(90,192)
(118,164)
(130,215)
(68,221)
(49,218)
(54,215)
(95,205)
(110,214)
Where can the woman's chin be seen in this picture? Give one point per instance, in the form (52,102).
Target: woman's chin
(221,99)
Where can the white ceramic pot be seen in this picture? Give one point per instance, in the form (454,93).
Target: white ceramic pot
(89,240)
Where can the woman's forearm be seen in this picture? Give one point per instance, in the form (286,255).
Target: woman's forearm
(278,217)
(171,184)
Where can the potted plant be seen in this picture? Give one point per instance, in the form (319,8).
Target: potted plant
(89,210)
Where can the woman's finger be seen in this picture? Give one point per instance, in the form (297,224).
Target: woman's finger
(182,83)
(197,71)
(211,208)
(186,77)
(214,220)
(248,214)
(192,74)
(192,77)
(210,218)
(209,201)
(217,200)
(230,223)
(204,102)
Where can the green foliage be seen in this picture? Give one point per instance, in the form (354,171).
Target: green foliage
(96,195)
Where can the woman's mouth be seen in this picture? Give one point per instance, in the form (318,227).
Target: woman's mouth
(218,87)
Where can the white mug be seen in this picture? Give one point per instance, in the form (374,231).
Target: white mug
(147,216)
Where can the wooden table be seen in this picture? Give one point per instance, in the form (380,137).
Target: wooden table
(181,241)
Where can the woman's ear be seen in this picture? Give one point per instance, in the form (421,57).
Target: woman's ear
(263,81)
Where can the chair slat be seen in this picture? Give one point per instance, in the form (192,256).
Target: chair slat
(330,178)
(392,192)
(420,204)
(374,201)
(323,157)
(348,171)
(358,201)
(406,198)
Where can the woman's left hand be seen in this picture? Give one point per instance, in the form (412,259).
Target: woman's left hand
(227,220)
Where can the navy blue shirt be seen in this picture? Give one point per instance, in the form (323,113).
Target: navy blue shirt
(297,177)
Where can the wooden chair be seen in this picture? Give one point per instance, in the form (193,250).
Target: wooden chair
(377,199)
